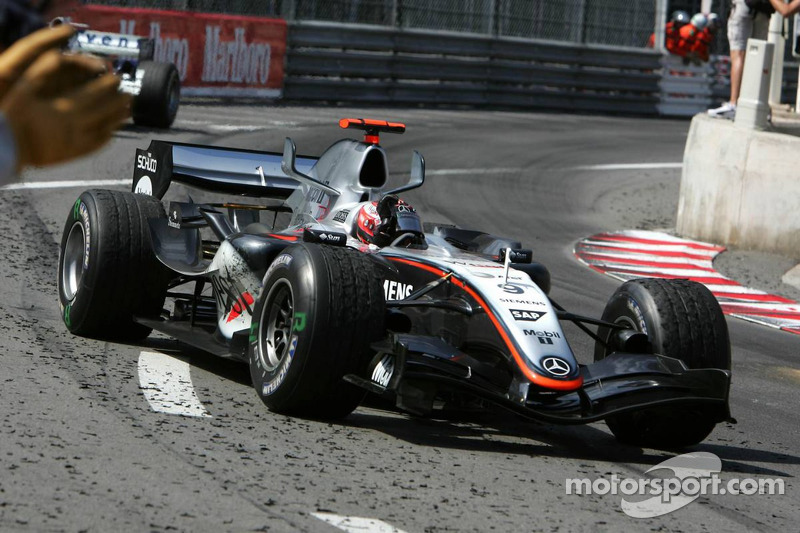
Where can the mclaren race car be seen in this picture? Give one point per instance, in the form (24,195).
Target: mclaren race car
(353,294)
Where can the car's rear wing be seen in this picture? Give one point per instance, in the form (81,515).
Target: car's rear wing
(222,170)
(106,44)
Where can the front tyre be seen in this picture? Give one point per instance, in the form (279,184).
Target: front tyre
(320,309)
(107,272)
(682,320)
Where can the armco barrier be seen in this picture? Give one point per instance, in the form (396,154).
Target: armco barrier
(216,55)
(370,64)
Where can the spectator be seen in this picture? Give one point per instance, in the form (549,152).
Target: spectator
(748,19)
(700,51)
(689,35)
(702,48)
(785,9)
(671,31)
(53,106)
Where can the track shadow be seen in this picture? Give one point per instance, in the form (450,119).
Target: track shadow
(498,431)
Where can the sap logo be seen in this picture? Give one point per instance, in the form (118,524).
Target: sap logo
(394,290)
(145,162)
(384,370)
(531,316)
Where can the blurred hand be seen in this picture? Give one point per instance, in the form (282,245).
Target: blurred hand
(59,106)
(18,57)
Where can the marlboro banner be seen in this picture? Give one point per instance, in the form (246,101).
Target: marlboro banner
(216,55)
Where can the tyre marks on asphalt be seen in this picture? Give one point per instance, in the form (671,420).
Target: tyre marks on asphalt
(356,524)
(167,385)
(635,254)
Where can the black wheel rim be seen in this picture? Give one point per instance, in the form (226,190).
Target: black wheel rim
(275,325)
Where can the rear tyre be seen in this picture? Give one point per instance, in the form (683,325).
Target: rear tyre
(107,270)
(683,320)
(157,103)
(320,309)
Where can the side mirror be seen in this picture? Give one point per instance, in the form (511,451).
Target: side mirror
(417,175)
(289,167)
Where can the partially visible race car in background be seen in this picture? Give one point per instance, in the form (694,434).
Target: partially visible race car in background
(352,293)
(155,86)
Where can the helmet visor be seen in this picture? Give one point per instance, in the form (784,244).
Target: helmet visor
(408,223)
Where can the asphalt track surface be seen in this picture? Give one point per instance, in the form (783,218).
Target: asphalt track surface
(81,448)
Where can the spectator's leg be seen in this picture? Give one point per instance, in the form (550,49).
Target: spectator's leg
(737,67)
(740,28)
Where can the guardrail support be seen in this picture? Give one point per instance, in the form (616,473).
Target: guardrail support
(753,107)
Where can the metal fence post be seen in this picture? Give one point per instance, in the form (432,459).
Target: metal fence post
(288,9)
(581,22)
(398,13)
(492,29)
(661,23)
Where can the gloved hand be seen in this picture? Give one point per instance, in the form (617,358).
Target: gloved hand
(59,106)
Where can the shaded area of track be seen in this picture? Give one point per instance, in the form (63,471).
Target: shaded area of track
(83,449)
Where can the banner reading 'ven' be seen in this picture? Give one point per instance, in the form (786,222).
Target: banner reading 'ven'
(216,55)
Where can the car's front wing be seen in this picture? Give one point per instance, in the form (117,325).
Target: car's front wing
(415,369)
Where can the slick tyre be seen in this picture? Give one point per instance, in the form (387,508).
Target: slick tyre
(157,103)
(107,272)
(682,320)
(320,309)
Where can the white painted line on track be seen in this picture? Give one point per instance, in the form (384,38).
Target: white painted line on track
(631,166)
(64,184)
(357,524)
(167,385)
(471,171)
(228,127)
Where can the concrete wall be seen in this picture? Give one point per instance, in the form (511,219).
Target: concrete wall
(740,187)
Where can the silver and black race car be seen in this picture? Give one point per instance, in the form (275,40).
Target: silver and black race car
(354,294)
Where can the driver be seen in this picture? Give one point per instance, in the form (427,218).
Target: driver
(381,223)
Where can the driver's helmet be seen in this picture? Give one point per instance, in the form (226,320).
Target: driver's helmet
(699,21)
(680,18)
(380,223)
(714,22)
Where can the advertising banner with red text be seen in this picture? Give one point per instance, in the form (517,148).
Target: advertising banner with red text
(216,55)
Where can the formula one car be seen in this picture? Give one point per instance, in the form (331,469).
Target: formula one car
(155,86)
(356,295)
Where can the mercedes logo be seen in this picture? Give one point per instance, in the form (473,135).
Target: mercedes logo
(556,366)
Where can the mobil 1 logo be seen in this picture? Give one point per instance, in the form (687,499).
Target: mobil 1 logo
(545,337)
(529,316)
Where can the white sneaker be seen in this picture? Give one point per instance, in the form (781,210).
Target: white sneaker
(726,110)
